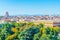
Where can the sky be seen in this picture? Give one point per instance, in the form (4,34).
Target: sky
(30,7)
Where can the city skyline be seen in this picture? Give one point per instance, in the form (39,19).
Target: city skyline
(30,7)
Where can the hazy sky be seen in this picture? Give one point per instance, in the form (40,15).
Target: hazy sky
(30,7)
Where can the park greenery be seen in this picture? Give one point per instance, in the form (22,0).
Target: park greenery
(28,31)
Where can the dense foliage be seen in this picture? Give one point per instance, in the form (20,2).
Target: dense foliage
(28,31)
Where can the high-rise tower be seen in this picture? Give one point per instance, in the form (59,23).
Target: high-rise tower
(7,15)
